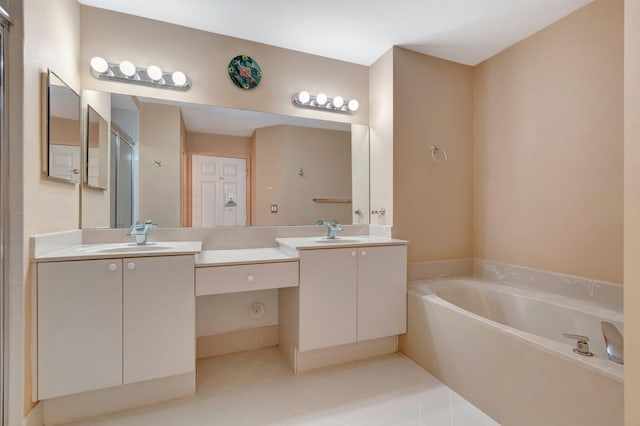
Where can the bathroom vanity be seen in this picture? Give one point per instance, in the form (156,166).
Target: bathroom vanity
(351,301)
(114,321)
(114,316)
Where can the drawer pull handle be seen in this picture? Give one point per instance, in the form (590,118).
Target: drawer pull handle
(354,253)
(113,267)
(131,266)
(363,252)
(250,278)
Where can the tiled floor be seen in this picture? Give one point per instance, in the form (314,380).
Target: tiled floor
(255,388)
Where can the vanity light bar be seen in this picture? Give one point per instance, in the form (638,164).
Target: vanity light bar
(322,102)
(127,72)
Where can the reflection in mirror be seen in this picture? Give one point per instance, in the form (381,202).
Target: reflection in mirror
(97,159)
(204,166)
(63,130)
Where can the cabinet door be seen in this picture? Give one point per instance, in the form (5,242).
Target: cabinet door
(327,298)
(79,326)
(159,317)
(382,291)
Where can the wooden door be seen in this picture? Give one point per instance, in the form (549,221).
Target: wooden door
(219,191)
(64,162)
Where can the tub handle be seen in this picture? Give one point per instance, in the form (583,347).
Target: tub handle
(582,344)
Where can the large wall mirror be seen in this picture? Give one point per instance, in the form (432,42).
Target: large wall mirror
(97,150)
(63,135)
(181,164)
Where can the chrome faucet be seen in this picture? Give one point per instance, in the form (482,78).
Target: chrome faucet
(614,342)
(332,228)
(140,230)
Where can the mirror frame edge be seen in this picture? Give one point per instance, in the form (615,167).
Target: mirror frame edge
(46,127)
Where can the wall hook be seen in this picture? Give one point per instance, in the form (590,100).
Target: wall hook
(435,151)
(301,172)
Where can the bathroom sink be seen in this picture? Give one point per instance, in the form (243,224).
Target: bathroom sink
(128,249)
(131,249)
(338,240)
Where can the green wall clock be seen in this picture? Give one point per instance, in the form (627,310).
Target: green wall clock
(244,72)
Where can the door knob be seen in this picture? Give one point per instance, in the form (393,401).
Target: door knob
(131,266)
(113,267)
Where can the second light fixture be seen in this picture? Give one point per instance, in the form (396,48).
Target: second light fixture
(321,101)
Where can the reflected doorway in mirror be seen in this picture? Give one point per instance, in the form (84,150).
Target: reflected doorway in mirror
(213,179)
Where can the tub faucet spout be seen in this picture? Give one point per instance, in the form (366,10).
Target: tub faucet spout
(614,342)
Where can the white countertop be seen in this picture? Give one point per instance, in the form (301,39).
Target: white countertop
(242,257)
(118,250)
(314,243)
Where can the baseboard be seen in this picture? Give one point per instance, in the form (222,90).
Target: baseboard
(318,358)
(85,405)
(35,416)
(236,341)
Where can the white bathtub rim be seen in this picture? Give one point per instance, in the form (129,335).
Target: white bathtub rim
(597,364)
(542,296)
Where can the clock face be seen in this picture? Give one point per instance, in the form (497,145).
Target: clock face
(244,72)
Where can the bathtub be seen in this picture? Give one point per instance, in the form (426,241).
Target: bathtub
(501,347)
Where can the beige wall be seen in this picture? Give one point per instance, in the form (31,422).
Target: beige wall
(632,212)
(381,106)
(325,157)
(218,145)
(51,41)
(159,187)
(548,148)
(432,200)
(204,57)
(64,131)
(360,173)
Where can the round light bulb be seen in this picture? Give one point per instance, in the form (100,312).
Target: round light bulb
(353,105)
(304,97)
(321,99)
(179,79)
(99,64)
(338,102)
(154,72)
(127,68)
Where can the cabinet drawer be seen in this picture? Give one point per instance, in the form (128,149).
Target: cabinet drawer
(237,278)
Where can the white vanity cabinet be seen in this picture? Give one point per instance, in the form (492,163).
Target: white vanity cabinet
(328,298)
(159,317)
(351,295)
(79,326)
(110,322)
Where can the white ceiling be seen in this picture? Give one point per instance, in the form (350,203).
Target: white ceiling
(360,31)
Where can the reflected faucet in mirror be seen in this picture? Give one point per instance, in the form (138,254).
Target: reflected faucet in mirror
(332,228)
(140,230)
